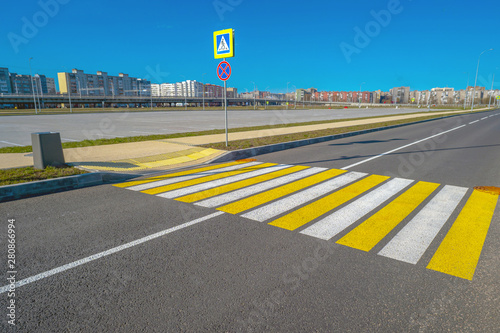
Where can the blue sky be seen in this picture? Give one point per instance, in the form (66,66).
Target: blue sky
(423,44)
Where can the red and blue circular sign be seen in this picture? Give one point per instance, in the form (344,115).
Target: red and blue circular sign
(224,70)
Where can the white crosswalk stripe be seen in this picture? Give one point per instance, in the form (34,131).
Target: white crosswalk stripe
(220,182)
(335,223)
(169,181)
(413,240)
(278,207)
(251,190)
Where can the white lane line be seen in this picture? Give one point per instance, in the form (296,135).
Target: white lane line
(219,182)
(335,223)
(402,147)
(86,260)
(189,177)
(12,143)
(65,139)
(278,207)
(251,190)
(484,118)
(475,121)
(412,241)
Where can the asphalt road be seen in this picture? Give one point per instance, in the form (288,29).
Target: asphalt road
(219,272)
(16,130)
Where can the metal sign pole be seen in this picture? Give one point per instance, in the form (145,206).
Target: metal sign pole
(225,105)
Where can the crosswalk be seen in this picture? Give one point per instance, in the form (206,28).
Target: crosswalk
(398,217)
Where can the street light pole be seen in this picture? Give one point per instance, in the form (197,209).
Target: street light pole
(203,84)
(69,94)
(491,92)
(32,86)
(253,94)
(286,96)
(359,98)
(475,82)
(466,87)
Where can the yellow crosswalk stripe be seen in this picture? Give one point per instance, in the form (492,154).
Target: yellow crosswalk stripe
(261,198)
(365,236)
(319,207)
(237,185)
(460,250)
(177,174)
(205,179)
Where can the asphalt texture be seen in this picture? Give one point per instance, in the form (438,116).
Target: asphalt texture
(16,130)
(231,274)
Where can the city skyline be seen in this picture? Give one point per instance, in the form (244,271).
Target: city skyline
(336,46)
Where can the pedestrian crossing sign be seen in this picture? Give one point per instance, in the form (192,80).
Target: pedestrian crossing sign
(224,44)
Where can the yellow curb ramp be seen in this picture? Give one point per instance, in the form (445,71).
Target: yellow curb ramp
(153,162)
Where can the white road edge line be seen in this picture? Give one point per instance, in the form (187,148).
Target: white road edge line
(475,121)
(65,139)
(86,260)
(408,145)
(11,143)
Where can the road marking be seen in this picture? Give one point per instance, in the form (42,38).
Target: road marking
(281,206)
(248,191)
(475,121)
(179,179)
(239,185)
(86,260)
(484,118)
(12,143)
(247,168)
(369,233)
(337,222)
(65,139)
(319,207)
(177,174)
(262,198)
(413,240)
(264,168)
(402,147)
(314,195)
(459,252)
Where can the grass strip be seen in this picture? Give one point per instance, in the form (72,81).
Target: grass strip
(30,174)
(100,142)
(264,141)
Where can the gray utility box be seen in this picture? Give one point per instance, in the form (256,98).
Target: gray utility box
(47,150)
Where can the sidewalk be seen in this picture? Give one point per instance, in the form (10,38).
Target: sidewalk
(167,154)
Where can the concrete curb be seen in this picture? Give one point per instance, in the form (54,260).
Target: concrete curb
(250,152)
(24,190)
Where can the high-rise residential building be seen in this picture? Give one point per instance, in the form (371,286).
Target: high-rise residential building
(5,86)
(99,84)
(400,95)
(51,86)
(232,92)
(21,84)
(155,90)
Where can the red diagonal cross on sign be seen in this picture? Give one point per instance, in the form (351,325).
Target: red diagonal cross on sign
(224,70)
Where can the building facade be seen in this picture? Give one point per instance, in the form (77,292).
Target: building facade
(102,84)
(5,86)
(400,95)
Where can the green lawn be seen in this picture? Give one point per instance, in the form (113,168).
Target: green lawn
(29,174)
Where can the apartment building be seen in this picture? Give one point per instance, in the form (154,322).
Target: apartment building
(51,86)
(5,86)
(400,95)
(102,84)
